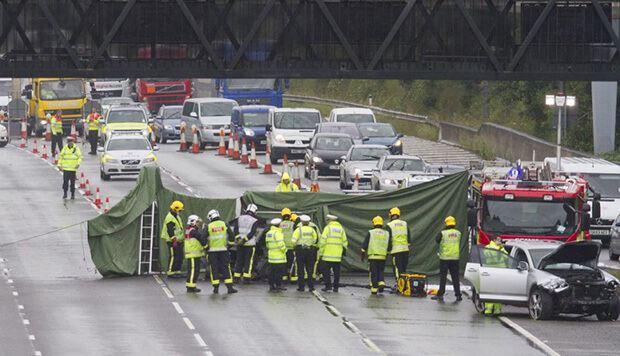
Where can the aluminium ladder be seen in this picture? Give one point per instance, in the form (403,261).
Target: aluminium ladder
(149,242)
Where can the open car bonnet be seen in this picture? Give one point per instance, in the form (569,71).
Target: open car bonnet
(581,252)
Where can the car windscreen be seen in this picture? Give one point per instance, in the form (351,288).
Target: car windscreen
(129,144)
(538,253)
(62,89)
(608,185)
(565,266)
(441,169)
(368,154)
(333,143)
(216,109)
(126,116)
(254,119)
(251,84)
(352,131)
(542,218)
(356,118)
(173,113)
(377,130)
(6,87)
(400,164)
(116,101)
(296,120)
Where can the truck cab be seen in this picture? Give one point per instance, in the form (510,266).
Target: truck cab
(252,91)
(250,122)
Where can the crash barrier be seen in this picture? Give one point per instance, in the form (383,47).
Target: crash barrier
(114,237)
(412,285)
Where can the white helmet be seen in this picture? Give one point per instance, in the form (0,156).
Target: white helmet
(276,221)
(252,208)
(213,214)
(49,116)
(193,219)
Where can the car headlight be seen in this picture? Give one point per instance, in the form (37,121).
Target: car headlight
(249,132)
(150,159)
(43,122)
(398,143)
(168,127)
(280,139)
(206,127)
(556,285)
(145,132)
(317,159)
(108,133)
(109,159)
(389,181)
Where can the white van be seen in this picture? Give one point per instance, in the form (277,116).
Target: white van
(353,115)
(209,115)
(604,178)
(290,131)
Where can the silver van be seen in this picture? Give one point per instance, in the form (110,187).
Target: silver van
(209,115)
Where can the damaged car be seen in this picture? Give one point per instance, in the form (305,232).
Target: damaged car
(547,277)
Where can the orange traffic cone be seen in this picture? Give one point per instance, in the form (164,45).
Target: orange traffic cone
(267,169)
(24,132)
(230,145)
(195,144)
(56,158)
(107,205)
(221,151)
(87,189)
(253,163)
(48,131)
(82,182)
(236,156)
(356,182)
(35,146)
(44,153)
(97,198)
(297,179)
(73,131)
(285,164)
(183,147)
(314,176)
(244,152)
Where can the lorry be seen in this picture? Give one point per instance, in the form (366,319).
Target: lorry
(47,95)
(604,181)
(110,87)
(252,91)
(156,92)
(528,202)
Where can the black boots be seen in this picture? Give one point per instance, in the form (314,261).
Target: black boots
(64,196)
(231,289)
(193,290)
(216,289)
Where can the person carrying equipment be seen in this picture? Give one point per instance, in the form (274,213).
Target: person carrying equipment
(195,244)
(376,246)
(219,236)
(172,234)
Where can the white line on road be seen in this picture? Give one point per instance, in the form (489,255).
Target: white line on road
(168,292)
(9,281)
(536,341)
(201,342)
(15,294)
(178,307)
(31,337)
(37,353)
(20,307)
(189,323)
(26,322)
(158,279)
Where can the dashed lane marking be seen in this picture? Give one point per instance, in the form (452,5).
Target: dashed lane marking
(31,337)
(37,353)
(178,307)
(189,323)
(168,292)
(536,341)
(15,294)
(26,322)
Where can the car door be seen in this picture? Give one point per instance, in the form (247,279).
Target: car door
(308,156)
(614,239)
(500,280)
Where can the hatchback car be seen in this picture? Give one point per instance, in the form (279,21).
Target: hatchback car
(347,128)
(167,123)
(126,154)
(547,277)
(360,160)
(391,170)
(614,240)
(325,152)
(382,134)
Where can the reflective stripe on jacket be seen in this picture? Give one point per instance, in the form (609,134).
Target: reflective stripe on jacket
(193,247)
(276,249)
(378,244)
(495,258)
(178,228)
(93,122)
(244,224)
(56,125)
(450,244)
(305,236)
(333,242)
(287,227)
(217,236)
(400,240)
(70,158)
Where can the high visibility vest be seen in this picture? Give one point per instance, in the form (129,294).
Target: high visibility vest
(400,241)
(276,248)
(305,236)
(333,242)
(178,228)
(70,158)
(378,244)
(495,258)
(287,227)
(218,236)
(56,125)
(291,187)
(449,245)
(244,224)
(93,122)
(193,247)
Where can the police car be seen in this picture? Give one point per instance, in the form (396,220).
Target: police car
(124,118)
(126,154)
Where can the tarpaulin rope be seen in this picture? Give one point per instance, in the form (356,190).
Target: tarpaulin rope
(43,234)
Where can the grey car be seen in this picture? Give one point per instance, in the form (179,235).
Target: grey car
(547,277)
(391,170)
(614,240)
(4,136)
(360,160)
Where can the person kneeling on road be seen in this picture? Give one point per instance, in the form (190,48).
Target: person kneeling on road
(195,244)
(449,241)
(495,255)
(219,236)
(276,255)
(286,185)
(376,246)
(305,240)
(172,234)
(332,246)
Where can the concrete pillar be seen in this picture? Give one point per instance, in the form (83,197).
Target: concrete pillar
(604,97)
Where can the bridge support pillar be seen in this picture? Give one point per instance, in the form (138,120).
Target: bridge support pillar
(604,98)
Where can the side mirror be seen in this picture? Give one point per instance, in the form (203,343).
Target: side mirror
(597,196)
(586,208)
(155,148)
(193,114)
(343,158)
(618,224)
(134,96)
(159,117)
(400,135)
(28,87)
(151,120)
(268,127)
(523,266)
(100,149)
(472,217)
(28,94)
(365,139)
(596,209)
(470,203)
(585,221)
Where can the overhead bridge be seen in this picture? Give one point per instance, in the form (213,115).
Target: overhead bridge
(412,39)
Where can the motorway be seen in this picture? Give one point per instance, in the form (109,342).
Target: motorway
(53,302)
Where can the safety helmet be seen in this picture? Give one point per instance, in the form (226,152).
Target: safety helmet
(450,221)
(294,217)
(252,208)
(48,116)
(193,219)
(213,214)
(377,220)
(176,206)
(286,211)
(395,211)
(276,221)
(304,218)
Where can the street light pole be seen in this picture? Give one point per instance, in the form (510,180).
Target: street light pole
(560,101)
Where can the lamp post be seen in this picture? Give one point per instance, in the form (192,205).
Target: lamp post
(560,101)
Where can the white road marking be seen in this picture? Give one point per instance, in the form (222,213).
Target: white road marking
(189,323)
(20,307)
(158,279)
(201,342)
(178,307)
(15,294)
(26,322)
(541,345)
(168,292)
(38,353)
(31,337)
(10,281)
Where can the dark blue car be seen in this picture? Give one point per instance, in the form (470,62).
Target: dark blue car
(249,121)
(167,124)
(382,134)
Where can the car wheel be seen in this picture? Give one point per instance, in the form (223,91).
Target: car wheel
(612,256)
(273,157)
(540,305)
(105,177)
(613,312)
(342,185)
(3,144)
(478,304)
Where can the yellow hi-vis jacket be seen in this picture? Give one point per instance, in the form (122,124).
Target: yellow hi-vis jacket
(70,158)
(333,242)
(276,249)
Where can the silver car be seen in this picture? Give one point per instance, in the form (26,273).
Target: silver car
(391,170)
(4,136)
(360,160)
(126,154)
(547,277)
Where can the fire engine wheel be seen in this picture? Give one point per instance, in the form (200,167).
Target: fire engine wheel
(478,304)
(540,305)
(613,312)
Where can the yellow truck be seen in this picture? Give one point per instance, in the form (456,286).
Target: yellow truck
(47,95)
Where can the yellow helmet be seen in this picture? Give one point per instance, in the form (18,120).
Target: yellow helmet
(176,206)
(395,211)
(294,217)
(450,221)
(377,220)
(286,211)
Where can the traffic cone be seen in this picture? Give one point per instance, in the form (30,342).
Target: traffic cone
(183,147)
(253,163)
(82,182)
(87,189)
(244,152)
(56,158)
(314,176)
(48,131)
(44,153)
(230,145)
(285,164)
(152,139)
(97,197)
(195,144)
(24,128)
(107,205)
(73,132)
(356,182)
(221,151)
(35,146)
(236,155)
(267,169)
(297,179)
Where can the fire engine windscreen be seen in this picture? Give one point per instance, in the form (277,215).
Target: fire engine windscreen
(555,218)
